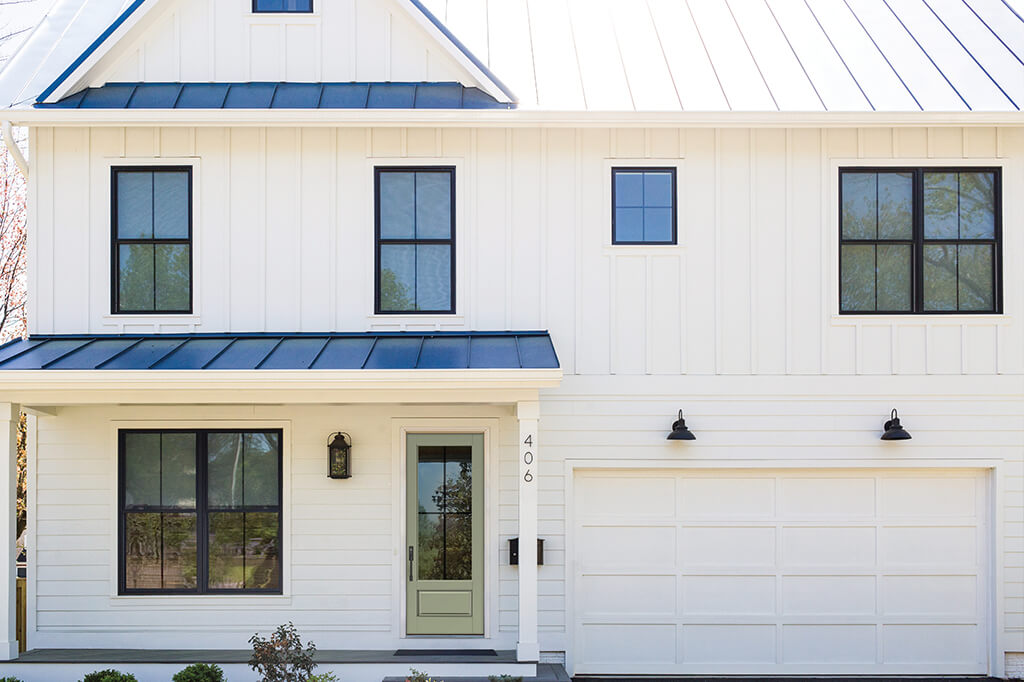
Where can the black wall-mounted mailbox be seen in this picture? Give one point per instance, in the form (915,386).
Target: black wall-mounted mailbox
(513,552)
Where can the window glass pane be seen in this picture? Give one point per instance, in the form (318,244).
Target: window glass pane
(227,551)
(178,476)
(657,224)
(629,224)
(893,278)
(397,277)
(284,5)
(135,275)
(977,206)
(397,205)
(940,206)
(134,205)
(179,551)
(142,469)
(658,189)
(895,206)
(225,461)
(261,467)
(173,277)
(262,567)
(976,277)
(629,189)
(170,205)
(433,205)
(940,289)
(860,205)
(433,277)
(857,264)
(160,551)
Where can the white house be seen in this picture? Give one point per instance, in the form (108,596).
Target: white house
(500,245)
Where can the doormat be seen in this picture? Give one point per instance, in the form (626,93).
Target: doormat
(446,652)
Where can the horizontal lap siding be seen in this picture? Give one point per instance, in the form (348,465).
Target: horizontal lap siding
(284,241)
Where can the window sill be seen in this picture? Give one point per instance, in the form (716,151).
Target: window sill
(184,318)
(921,319)
(178,600)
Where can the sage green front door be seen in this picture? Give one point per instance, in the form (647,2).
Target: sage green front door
(444,557)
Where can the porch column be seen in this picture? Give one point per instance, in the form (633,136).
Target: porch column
(10,415)
(528,649)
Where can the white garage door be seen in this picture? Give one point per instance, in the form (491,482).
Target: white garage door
(780,572)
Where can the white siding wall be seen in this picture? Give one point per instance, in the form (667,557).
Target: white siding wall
(284,242)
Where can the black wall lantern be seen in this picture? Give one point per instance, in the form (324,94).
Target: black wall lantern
(339,455)
(894,430)
(679,430)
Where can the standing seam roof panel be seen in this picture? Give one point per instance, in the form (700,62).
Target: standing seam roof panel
(999,19)
(601,70)
(650,81)
(694,75)
(558,75)
(511,49)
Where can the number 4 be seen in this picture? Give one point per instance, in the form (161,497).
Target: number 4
(529,440)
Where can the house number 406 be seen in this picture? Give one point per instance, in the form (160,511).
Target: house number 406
(528,459)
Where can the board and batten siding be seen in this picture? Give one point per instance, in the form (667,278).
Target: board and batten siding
(284,242)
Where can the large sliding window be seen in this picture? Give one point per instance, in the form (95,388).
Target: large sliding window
(415,219)
(920,240)
(200,511)
(152,240)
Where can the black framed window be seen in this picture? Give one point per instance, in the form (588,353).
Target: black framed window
(282,6)
(152,240)
(920,240)
(644,206)
(415,233)
(200,511)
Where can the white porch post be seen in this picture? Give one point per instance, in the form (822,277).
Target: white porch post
(528,649)
(10,415)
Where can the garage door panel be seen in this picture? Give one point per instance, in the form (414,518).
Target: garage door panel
(936,546)
(932,496)
(612,498)
(711,644)
(931,644)
(828,546)
(626,644)
(816,595)
(619,595)
(727,498)
(648,548)
(954,596)
(739,547)
(831,644)
(820,498)
(705,595)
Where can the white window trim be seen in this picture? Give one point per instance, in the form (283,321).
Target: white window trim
(610,248)
(156,320)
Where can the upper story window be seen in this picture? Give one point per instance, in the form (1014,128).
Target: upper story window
(920,240)
(152,240)
(200,511)
(415,225)
(644,206)
(282,6)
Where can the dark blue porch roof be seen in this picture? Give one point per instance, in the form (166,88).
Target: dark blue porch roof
(396,350)
(279,96)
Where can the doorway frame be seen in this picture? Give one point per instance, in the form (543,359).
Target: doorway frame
(488,427)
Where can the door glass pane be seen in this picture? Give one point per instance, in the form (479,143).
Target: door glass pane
(445,526)
(142,469)
(977,206)
(430,480)
(940,288)
(433,205)
(430,552)
(893,278)
(261,466)
(170,205)
(458,470)
(941,215)
(433,277)
(858,280)
(178,475)
(397,205)
(134,205)
(173,277)
(459,547)
(397,277)
(976,277)
(860,205)
(224,469)
(135,285)
(895,206)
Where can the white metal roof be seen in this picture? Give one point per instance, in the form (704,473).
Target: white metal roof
(682,55)
(749,55)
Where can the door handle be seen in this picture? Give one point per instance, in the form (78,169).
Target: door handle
(410,563)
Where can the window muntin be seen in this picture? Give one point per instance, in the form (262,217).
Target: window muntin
(200,512)
(644,206)
(919,240)
(303,6)
(415,225)
(152,240)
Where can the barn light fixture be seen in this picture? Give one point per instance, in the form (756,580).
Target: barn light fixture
(894,430)
(339,455)
(679,430)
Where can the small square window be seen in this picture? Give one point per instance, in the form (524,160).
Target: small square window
(305,6)
(643,205)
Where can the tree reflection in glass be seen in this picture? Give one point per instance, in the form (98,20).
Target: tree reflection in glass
(445,500)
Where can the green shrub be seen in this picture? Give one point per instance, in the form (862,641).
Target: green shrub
(9,679)
(282,657)
(109,676)
(322,677)
(200,672)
